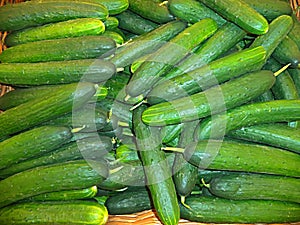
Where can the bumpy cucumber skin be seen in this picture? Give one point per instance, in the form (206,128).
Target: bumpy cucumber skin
(247,115)
(56,212)
(70,28)
(295,32)
(218,210)
(111,23)
(218,155)
(29,14)
(62,176)
(211,101)
(295,74)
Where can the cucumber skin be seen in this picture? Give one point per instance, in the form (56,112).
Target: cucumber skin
(160,184)
(247,115)
(76,174)
(111,23)
(64,99)
(56,72)
(256,186)
(218,210)
(218,155)
(79,212)
(198,105)
(64,29)
(32,143)
(29,14)
(240,13)
(73,48)
(294,34)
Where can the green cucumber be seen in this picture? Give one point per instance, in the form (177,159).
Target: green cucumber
(72,48)
(70,28)
(214,73)
(193,11)
(31,13)
(295,74)
(246,115)
(32,143)
(256,186)
(146,43)
(267,96)
(111,23)
(237,156)
(170,132)
(156,168)
(55,212)
(56,72)
(119,39)
(62,100)
(159,11)
(277,135)
(134,23)
(57,177)
(168,55)
(295,32)
(219,210)
(127,153)
(211,101)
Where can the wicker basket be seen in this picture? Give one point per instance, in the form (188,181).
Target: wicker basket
(147,217)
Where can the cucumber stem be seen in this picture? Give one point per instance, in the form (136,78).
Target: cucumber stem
(281,70)
(77,129)
(174,149)
(121,69)
(123,124)
(137,105)
(115,169)
(182,200)
(205,184)
(127,97)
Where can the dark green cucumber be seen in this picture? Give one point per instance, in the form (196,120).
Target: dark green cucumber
(220,42)
(277,135)
(267,96)
(287,52)
(32,143)
(170,132)
(159,11)
(119,39)
(193,11)
(86,148)
(70,28)
(295,32)
(72,48)
(128,202)
(57,177)
(58,212)
(168,55)
(237,156)
(134,23)
(270,9)
(246,115)
(111,23)
(211,101)
(219,210)
(62,100)
(126,153)
(30,13)
(67,195)
(56,72)
(156,168)
(295,74)
(256,186)
(146,43)
(240,13)
(214,73)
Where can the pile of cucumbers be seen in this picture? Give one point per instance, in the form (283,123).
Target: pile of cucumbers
(190,108)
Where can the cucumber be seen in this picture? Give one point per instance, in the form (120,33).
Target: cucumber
(78,212)
(267,96)
(146,43)
(193,11)
(168,55)
(83,47)
(246,115)
(127,153)
(156,168)
(111,23)
(159,11)
(211,101)
(214,73)
(70,28)
(237,156)
(241,14)
(64,99)
(32,143)
(295,74)
(119,39)
(62,176)
(86,148)
(270,9)
(56,72)
(294,34)
(85,193)
(277,135)
(134,23)
(170,132)
(219,210)
(256,186)
(31,13)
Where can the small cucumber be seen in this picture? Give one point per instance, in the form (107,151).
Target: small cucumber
(112,34)
(70,28)
(170,132)
(111,23)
